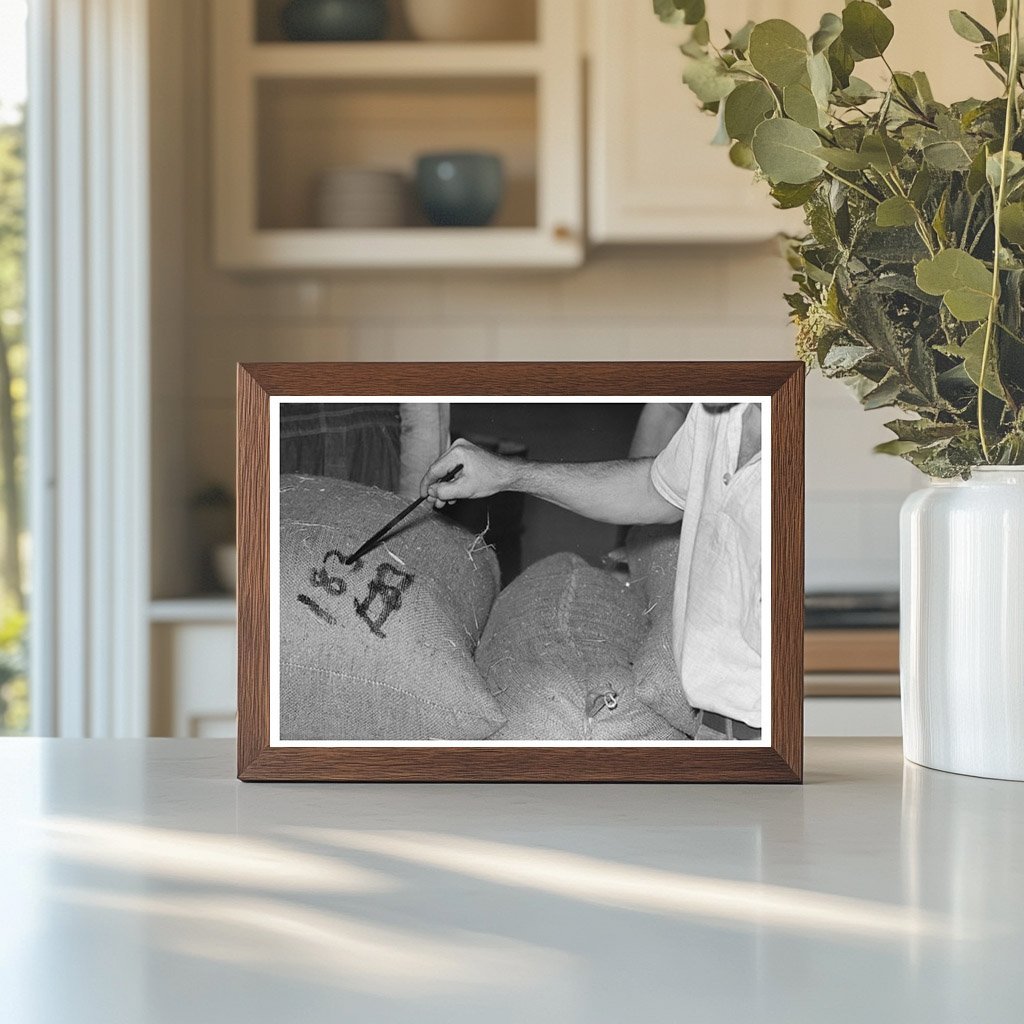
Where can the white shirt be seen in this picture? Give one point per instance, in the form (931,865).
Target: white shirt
(717,605)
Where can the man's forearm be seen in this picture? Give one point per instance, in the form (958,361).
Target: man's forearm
(611,492)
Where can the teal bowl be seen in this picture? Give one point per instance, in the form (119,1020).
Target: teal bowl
(334,21)
(460,190)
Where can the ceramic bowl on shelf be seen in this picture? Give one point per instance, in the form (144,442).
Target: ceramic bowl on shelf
(470,20)
(361,198)
(460,189)
(333,21)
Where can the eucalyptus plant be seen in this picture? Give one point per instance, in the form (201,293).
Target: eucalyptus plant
(910,278)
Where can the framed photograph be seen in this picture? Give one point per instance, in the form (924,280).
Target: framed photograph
(520,572)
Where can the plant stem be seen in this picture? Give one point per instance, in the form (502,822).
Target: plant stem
(922,225)
(768,85)
(981,231)
(855,187)
(993,309)
(969,217)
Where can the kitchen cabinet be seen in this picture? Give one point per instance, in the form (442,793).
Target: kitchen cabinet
(286,113)
(653,175)
(192,649)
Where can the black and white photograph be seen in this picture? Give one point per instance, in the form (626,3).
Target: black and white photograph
(555,571)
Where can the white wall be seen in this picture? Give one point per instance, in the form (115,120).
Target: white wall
(700,303)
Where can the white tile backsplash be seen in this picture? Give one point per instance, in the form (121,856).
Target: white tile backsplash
(715,303)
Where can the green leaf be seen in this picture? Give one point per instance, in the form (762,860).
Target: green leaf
(1014,169)
(739,41)
(841,60)
(896,212)
(1012,225)
(883,153)
(785,152)
(866,29)
(963,281)
(896,447)
(668,11)
(921,185)
(844,159)
(829,30)
(800,105)
(997,53)
(939,220)
(789,197)
(778,50)
(741,155)
(820,76)
(858,91)
(947,156)
(976,173)
(971,352)
(745,108)
(676,12)
(708,80)
(999,7)
(969,28)
(923,431)
(924,87)
(885,394)
(694,11)
(701,33)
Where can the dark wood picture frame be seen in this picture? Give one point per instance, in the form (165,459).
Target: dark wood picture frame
(781,761)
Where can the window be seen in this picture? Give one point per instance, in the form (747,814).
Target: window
(14,547)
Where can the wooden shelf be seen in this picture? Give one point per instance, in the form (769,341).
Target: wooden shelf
(393,60)
(401,247)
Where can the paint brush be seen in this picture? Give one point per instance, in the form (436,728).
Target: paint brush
(389,526)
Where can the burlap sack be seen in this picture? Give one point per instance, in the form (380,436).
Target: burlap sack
(653,552)
(383,649)
(557,655)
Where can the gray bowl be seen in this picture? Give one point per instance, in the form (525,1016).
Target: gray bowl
(461,190)
(334,20)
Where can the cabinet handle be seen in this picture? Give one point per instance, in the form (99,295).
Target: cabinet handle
(563,233)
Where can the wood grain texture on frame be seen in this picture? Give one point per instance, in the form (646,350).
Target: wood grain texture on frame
(783,382)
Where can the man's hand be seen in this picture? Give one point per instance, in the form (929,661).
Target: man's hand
(483,474)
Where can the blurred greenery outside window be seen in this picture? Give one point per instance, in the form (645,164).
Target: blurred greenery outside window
(14,546)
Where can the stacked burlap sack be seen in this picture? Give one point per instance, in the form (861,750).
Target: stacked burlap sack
(557,655)
(382,649)
(387,649)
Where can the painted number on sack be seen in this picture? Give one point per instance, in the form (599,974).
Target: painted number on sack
(388,594)
(383,596)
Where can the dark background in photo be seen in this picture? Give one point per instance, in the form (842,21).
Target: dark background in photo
(360,442)
(525,529)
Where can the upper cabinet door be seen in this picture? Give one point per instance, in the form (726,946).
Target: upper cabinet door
(654,175)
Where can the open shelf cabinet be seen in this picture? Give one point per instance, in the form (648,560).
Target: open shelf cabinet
(285,113)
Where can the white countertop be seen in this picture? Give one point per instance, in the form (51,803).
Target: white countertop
(142,884)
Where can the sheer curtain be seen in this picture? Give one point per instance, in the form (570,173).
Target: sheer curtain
(88,300)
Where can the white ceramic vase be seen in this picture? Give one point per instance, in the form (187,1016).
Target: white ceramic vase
(962,624)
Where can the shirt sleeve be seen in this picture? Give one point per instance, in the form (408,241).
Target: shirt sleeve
(670,471)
